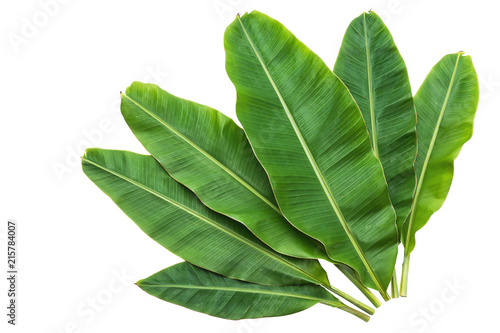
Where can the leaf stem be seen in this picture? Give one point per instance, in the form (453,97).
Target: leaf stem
(355,312)
(404,276)
(385,295)
(394,285)
(350,299)
(367,292)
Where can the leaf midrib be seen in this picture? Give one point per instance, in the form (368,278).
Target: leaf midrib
(206,154)
(370,91)
(205,219)
(243,290)
(315,166)
(430,150)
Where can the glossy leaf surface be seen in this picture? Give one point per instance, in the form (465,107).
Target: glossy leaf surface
(446,104)
(174,217)
(201,290)
(310,136)
(207,152)
(373,70)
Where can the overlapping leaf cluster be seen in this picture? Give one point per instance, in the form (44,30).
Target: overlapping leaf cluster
(325,167)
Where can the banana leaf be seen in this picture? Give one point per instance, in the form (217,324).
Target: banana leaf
(175,218)
(308,133)
(446,104)
(204,291)
(373,70)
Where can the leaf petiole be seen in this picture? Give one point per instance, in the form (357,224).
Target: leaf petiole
(394,285)
(355,312)
(367,292)
(350,299)
(404,277)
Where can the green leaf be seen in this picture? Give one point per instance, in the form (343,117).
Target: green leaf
(446,104)
(373,70)
(200,290)
(207,152)
(174,217)
(309,135)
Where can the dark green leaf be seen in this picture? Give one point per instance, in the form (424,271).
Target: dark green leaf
(310,136)
(174,217)
(200,290)
(370,65)
(446,104)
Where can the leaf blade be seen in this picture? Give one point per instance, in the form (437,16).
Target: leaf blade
(200,290)
(274,109)
(446,104)
(174,217)
(372,68)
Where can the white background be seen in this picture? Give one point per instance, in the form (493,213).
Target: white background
(62,82)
